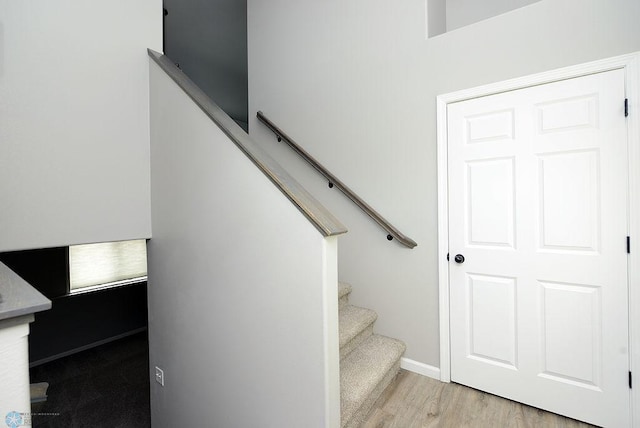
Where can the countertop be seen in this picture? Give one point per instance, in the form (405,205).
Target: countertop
(17,297)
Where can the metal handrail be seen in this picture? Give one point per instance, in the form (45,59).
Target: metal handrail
(335,181)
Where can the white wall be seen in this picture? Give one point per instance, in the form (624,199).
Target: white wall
(14,370)
(356,85)
(465,12)
(74,131)
(242,287)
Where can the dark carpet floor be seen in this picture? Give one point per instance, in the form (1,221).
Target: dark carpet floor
(107,386)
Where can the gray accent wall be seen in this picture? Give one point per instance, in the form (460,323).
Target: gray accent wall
(209,41)
(356,86)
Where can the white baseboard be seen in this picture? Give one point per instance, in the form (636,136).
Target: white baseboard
(420,368)
(85,347)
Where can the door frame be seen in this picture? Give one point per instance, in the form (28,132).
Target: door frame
(630,63)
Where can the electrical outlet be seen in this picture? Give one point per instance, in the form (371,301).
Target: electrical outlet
(159,376)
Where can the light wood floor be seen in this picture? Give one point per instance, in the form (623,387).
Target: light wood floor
(418,401)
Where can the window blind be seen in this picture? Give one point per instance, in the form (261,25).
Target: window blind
(107,263)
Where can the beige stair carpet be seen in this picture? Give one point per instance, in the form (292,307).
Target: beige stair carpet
(364,375)
(368,362)
(356,324)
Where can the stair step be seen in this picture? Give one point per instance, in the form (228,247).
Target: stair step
(344,290)
(356,325)
(364,375)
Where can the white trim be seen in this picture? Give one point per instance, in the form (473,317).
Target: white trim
(633,129)
(631,64)
(331,345)
(420,368)
(443,239)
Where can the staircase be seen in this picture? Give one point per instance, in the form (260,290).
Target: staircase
(368,362)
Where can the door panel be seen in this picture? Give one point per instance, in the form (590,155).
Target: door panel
(492,306)
(569,201)
(567,114)
(490,202)
(492,126)
(564,336)
(538,206)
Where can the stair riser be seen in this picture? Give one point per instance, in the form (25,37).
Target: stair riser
(361,414)
(344,290)
(343,301)
(356,341)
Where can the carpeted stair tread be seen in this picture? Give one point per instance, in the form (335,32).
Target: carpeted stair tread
(363,370)
(355,321)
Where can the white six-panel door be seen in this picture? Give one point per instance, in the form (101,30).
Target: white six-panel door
(538,207)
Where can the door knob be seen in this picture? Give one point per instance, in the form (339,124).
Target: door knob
(459,258)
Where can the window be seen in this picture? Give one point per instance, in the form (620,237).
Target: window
(109,264)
